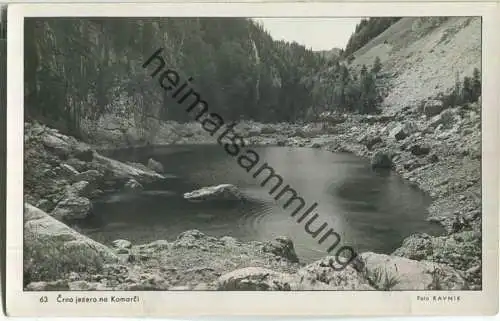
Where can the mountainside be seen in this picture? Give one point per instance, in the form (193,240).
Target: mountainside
(77,70)
(423,56)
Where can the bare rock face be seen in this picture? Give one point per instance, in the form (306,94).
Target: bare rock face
(52,249)
(387,272)
(219,192)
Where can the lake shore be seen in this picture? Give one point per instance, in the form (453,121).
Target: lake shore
(438,153)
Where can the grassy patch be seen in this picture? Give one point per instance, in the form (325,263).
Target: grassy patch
(47,258)
(381,279)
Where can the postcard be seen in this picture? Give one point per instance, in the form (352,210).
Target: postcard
(299,159)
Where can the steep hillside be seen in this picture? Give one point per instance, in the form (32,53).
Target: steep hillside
(77,70)
(423,57)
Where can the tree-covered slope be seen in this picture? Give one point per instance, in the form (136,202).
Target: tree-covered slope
(81,68)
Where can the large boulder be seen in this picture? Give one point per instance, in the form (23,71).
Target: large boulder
(323,274)
(446,119)
(81,188)
(460,250)
(52,250)
(59,285)
(420,149)
(155,166)
(372,141)
(401,131)
(254,279)
(90,176)
(122,244)
(57,145)
(433,107)
(67,147)
(382,159)
(282,246)
(415,247)
(121,171)
(387,272)
(219,192)
(72,207)
(319,275)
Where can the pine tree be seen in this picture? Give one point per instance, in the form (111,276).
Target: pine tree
(467,91)
(377,65)
(476,84)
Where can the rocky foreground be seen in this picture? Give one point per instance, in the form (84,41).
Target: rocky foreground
(436,149)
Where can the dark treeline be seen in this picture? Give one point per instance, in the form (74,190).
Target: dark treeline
(467,90)
(341,89)
(366,30)
(78,69)
(3,22)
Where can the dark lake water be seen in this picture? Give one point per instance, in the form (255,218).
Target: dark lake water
(371,210)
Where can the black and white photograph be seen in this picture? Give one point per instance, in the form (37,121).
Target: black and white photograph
(234,153)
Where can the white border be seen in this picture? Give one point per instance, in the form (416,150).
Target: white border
(345,303)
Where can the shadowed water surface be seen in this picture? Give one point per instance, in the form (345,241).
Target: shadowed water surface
(372,211)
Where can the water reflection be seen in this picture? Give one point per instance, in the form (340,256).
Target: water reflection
(373,211)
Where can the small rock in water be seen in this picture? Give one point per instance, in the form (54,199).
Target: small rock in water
(219,192)
(155,166)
